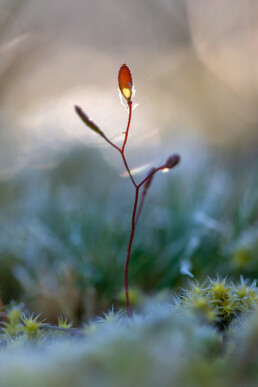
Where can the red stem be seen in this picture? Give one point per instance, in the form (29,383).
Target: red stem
(128,169)
(121,151)
(152,173)
(112,144)
(137,187)
(129,251)
(144,192)
(128,125)
(134,216)
(140,207)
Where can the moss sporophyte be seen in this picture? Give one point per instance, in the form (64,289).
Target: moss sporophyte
(126,87)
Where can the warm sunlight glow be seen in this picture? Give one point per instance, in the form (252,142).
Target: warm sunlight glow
(137,170)
(127,93)
(165,170)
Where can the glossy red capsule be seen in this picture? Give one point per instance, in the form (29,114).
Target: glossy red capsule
(125,82)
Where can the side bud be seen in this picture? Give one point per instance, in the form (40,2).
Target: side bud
(172,161)
(83,116)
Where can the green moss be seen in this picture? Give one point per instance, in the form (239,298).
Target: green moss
(164,344)
(31,327)
(63,323)
(242,258)
(219,301)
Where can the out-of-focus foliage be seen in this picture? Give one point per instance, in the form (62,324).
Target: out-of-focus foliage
(65,222)
(65,231)
(193,65)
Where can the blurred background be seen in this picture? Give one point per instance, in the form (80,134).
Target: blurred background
(65,204)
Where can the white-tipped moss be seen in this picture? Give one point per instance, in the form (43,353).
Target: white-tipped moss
(31,327)
(219,301)
(63,323)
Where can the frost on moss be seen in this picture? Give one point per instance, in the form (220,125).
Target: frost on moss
(219,302)
(64,323)
(11,327)
(153,348)
(165,344)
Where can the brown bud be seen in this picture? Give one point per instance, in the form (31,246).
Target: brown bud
(83,116)
(172,161)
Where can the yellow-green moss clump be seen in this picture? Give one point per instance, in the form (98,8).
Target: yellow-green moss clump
(220,302)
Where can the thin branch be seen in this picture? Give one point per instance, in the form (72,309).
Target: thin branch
(128,169)
(151,174)
(128,124)
(140,207)
(111,143)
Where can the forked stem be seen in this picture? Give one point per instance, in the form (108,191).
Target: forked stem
(135,218)
(171,162)
(135,215)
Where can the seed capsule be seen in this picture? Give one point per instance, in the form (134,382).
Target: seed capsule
(125,82)
(172,161)
(83,116)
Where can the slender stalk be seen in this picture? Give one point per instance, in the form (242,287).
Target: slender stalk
(171,162)
(152,173)
(128,125)
(128,169)
(112,144)
(121,151)
(136,214)
(146,184)
(140,207)
(129,251)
